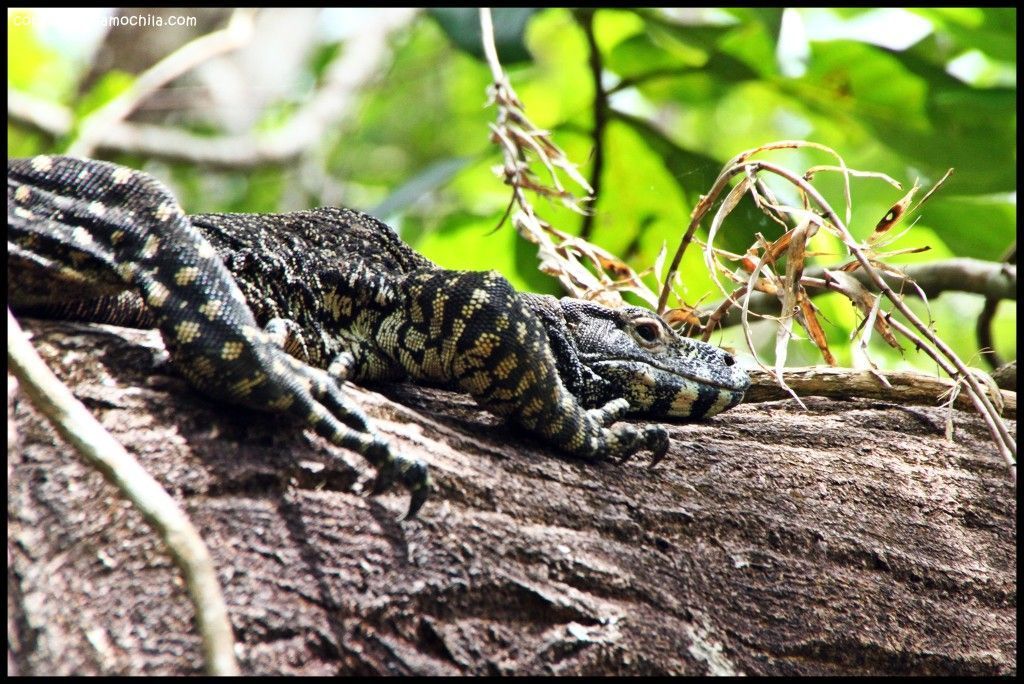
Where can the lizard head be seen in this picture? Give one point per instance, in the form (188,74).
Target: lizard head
(631,352)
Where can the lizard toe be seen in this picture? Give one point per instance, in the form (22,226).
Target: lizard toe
(610,412)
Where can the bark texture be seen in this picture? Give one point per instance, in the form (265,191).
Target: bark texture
(848,539)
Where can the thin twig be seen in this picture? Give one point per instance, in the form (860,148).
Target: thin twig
(983,331)
(100,450)
(699,211)
(236,34)
(586,21)
(490,50)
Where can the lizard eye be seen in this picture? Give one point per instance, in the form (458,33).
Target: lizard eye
(647,330)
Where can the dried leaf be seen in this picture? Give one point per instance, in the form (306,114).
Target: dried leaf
(851,288)
(683,315)
(659,262)
(809,319)
(895,213)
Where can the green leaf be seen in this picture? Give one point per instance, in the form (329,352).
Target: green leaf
(992,30)
(323,55)
(612,26)
(919,111)
(640,54)
(695,173)
(859,79)
(754,41)
(462,26)
(426,181)
(768,17)
(750,43)
(973,130)
(980,227)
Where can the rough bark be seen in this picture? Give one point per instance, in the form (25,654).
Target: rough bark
(848,539)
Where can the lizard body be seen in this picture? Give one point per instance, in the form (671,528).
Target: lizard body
(272,311)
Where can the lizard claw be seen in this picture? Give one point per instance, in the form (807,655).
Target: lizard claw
(416,478)
(657,442)
(417,498)
(652,438)
(413,474)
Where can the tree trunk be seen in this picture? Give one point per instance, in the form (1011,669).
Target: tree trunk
(848,539)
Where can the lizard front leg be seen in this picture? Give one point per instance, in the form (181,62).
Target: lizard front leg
(473,329)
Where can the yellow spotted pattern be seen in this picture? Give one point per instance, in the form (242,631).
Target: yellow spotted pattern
(211,308)
(186,275)
(187,331)
(231,350)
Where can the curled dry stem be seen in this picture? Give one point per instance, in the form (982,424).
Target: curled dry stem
(817,213)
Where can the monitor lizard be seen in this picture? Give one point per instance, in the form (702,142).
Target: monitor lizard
(274,311)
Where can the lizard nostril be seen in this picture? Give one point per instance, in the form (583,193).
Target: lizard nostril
(728,359)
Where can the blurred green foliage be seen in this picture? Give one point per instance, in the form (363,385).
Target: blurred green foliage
(688,89)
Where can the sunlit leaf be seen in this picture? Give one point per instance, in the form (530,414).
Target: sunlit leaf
(981,227)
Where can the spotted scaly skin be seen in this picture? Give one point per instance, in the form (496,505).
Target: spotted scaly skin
(272,311)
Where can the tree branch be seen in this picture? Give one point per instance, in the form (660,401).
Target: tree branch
(988,313)
(846,383)
(771,541)
(53,119)
(992,280)
(939,351)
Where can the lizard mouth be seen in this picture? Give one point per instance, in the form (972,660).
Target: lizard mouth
(732,378)
(655,390)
